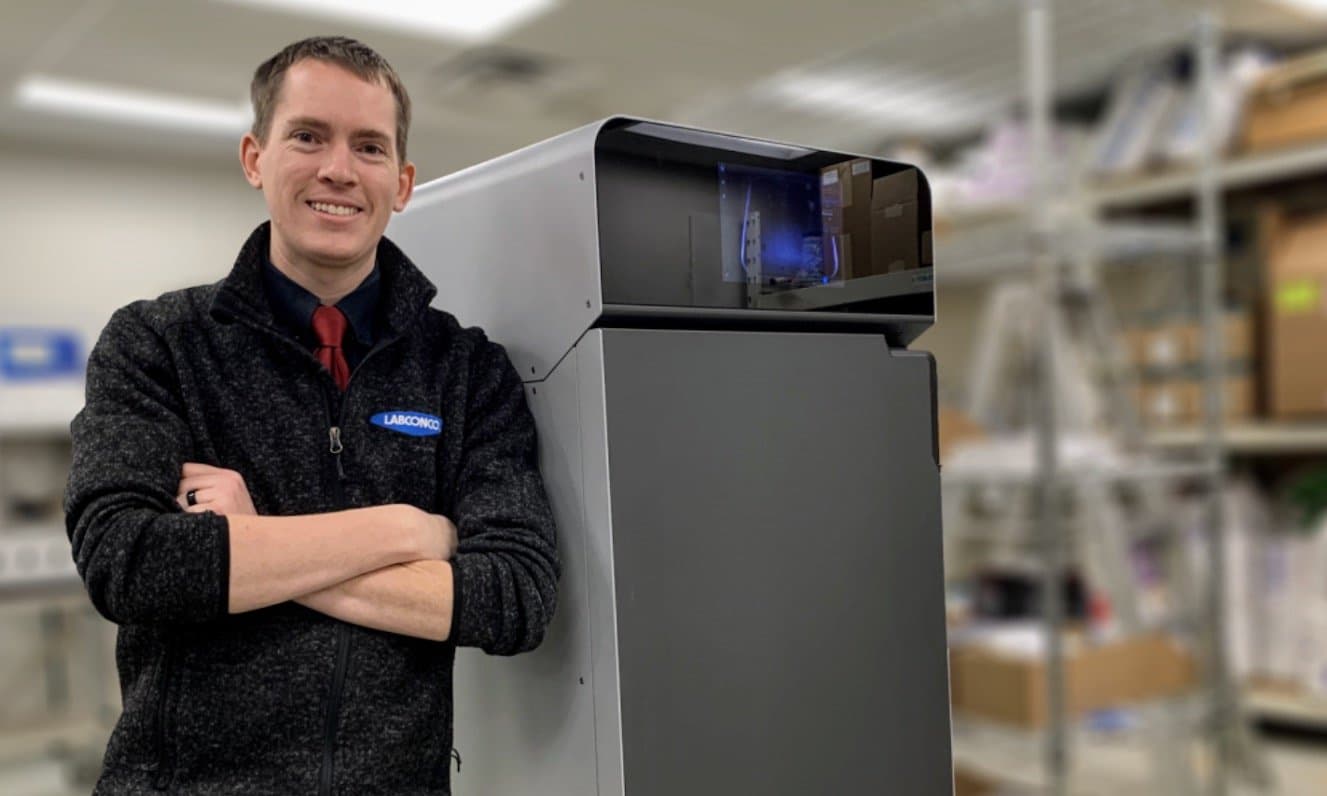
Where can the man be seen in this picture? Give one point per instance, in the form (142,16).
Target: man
(300,489)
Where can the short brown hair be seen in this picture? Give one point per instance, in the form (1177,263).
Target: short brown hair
(354,56)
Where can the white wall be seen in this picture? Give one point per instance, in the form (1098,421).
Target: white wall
(82,233)
(87,233)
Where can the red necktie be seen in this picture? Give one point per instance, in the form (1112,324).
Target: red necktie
(329,324)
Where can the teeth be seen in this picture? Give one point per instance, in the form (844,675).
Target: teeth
(336,210)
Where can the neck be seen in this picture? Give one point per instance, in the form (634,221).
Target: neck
(329,283)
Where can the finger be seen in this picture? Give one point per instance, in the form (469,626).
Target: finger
(199,509)
(198,468)
(201,496)
(199,482)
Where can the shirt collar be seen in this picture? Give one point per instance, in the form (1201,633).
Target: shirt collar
(404,296)
(293,306)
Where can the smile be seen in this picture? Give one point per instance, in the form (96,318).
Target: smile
(334,210)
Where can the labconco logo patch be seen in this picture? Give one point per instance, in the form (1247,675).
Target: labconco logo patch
(416,424)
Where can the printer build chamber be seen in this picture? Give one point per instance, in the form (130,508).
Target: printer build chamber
(741,457)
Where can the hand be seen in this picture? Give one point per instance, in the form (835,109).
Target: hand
(221,491)
(437,535)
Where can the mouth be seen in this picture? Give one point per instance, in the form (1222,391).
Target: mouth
(335,209)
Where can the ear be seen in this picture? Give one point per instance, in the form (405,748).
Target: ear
(250,149)
(405,186)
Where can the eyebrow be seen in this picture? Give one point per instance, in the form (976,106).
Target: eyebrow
(323,127)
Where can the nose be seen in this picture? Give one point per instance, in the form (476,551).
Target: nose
(338,165)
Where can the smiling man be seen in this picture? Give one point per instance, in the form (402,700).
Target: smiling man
(298,490)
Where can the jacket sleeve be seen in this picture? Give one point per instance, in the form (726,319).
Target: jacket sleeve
(506,570)
(142,559)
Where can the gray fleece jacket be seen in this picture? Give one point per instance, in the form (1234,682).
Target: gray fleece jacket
(285,700)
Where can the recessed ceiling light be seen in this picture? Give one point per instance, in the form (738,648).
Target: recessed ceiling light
(470,20)
(125,105)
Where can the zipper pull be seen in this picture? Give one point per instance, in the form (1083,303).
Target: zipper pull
(334,434)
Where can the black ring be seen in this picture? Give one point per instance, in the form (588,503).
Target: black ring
(191,497)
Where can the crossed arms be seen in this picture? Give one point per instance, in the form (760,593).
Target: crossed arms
(484,577)
(385,567)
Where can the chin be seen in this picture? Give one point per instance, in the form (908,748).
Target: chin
(338,259)
(335,256)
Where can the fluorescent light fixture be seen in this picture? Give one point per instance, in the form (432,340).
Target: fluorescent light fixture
(469,20)
(736,143)
(895,102)
(131,106)
(1314,7)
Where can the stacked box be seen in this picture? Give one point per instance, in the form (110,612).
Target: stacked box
(845,208)
(871,227)
(895,245)
(1168,357)
(1288,105)
(1296,275)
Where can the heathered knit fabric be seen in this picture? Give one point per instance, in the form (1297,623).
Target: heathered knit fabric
(221,704)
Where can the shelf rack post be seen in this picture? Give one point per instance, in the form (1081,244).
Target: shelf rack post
(1210,229)
(1037,90)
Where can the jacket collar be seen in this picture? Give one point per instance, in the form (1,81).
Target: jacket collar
(406,292)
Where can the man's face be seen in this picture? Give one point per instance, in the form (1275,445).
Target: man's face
(329,169)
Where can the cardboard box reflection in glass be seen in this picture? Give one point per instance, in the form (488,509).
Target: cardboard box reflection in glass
(34,354)
(770,228)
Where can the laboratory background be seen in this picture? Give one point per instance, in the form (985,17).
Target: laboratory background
(1128,251)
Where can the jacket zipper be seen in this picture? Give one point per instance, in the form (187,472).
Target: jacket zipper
(334,708)
(336,418)
(334,435)
(165,767)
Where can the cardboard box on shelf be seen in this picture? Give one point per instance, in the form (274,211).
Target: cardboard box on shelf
(1011,688)
(973,783)
(1133,341)
(895,244)
(1237,403)
(1171,402)
(1179,401)
(1288,105)
(1163,346)
(1237,341)
(1296,274)
(845,208)
(1241,398)
(956,427)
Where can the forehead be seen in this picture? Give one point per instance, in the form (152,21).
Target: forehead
(335,95)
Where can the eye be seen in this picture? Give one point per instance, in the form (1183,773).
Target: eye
(373,149)
(303,136)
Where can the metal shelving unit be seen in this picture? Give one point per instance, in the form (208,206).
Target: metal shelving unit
(979,252)
(1285,707)
(61,657)
(1036,242)
(36,559)
(31,410)
(1250,438)
(1240,172)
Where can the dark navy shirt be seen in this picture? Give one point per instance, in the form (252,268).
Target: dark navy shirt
(293,307)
